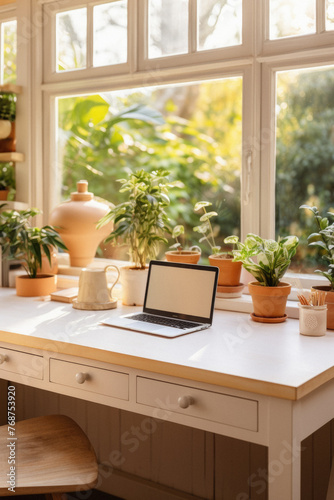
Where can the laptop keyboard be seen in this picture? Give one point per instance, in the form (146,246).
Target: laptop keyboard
(174,323)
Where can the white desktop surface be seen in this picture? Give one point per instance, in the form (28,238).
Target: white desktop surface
(270,359)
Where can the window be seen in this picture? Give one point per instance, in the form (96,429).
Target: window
(8,46)
(292,18)
(305,155)
(192,130)
(248,61)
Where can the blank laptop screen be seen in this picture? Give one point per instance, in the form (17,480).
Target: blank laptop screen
(181,291)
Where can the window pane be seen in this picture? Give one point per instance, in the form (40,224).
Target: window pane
(9,49)
(71,39)
(110,33)
(191,130)
(219,23)
(305,153)
(168,27)
(330,15)
(291,18)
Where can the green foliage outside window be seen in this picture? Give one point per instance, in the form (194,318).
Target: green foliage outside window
(305,156)
(192,131)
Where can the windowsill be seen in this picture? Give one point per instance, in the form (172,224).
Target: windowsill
(68,277)
(244,304)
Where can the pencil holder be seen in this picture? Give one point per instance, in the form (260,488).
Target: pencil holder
(312,320)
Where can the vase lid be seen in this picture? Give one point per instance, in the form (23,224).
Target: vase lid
(82,193)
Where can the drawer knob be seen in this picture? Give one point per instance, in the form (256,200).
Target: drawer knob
(185,401)
(3,358)
(81,377)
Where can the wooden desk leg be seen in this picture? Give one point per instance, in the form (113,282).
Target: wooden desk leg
(3,402)
(284,454)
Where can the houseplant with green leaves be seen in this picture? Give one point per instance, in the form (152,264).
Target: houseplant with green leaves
(267,260)
(28,244)
(7,121)
(229,270)
(323,239)
(141,222)
(177,253)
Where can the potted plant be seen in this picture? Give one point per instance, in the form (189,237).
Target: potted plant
(141,222)
(229,270)
(7,121)
(7,181)
(267,261)
(178,254)
(28,244)
(324,239)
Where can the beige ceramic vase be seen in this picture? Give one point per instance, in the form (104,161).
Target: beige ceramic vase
(76,220)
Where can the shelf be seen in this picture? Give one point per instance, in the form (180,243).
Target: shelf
(16,157)
(10,87)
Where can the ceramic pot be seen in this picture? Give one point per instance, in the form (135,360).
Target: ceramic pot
(5,129)
(4,194)
(43,284)
(312,320)
(269,301)
(229,271)
(76,220)
(330,304)
(8,143)
(133,283)
(184,256)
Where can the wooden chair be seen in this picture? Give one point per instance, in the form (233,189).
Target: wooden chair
(52,456)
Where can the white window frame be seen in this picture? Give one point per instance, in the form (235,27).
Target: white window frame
(257,59)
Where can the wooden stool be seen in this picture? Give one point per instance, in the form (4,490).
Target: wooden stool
(52,456)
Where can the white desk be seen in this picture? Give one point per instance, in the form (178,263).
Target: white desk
(265,384)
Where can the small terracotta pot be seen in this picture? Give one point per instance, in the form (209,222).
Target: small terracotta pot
(43,284)
(269,301)
(330,304)
(229,271)
(185,256)
(4,194)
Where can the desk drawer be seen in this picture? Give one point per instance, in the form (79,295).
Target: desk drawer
(21,363)
(90,378)
(222,408)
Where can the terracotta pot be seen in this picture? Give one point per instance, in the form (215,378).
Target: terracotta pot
(43,284)
(229,271)
(269,301)
(133,285)
(4,194)
(185,256)
(330,304)
(76,220)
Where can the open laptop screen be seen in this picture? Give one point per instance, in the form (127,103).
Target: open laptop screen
(182,291)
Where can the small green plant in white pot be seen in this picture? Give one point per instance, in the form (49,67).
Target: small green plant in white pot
(267,260)
(177,253)
(229,271)
(141,222)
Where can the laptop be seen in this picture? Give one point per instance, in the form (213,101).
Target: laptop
(179,299)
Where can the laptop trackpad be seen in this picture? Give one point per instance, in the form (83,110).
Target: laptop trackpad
(146,327)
